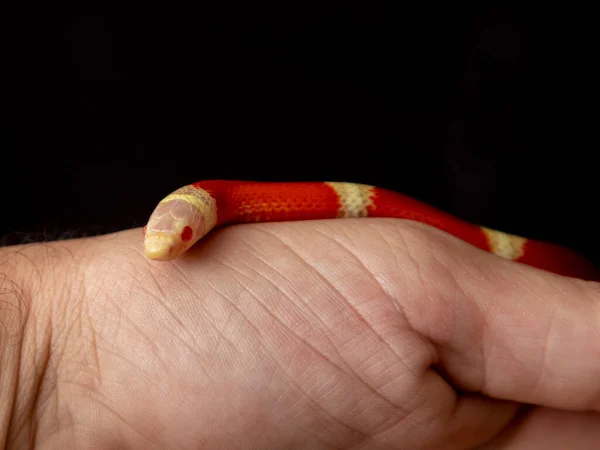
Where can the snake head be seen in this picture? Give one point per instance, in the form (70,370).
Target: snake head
(178,222)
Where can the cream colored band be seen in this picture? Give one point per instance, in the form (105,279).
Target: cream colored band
(505,245)
(355,199)
(188,198)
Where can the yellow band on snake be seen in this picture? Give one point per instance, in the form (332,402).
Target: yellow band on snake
(188,198)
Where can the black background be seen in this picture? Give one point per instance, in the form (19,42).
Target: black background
(481,112)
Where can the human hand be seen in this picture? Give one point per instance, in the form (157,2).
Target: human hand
(335,334)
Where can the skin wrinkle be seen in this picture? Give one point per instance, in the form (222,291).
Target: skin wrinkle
(406,250)
(542,364)
(395,420)
(398,305)
(294,292)
(149,341)
(315,315)
(156,353)
(306,303)
(484,386)
(401,245)
(182,277)
(219,332)
(235,308)
(404,410)
(52,362)
(222,342)
(122,318)
(321,389)
(363,436)
(261,276)
(62,314)
(483,328)
(123,420)
(375,279)
(318,407)
(74,328)
(85,313)
(320,354)
(119,356)
(265,309)
(183,328)
(329,284)
(407,414)
(400,358)
(482,331)
(162,301)
(419,278)
(141,332)
(41,366)
(441,298)
(358,435)
(190,335)
(456,399)
(506,349)
(356,258)
(379,283)
(307,344)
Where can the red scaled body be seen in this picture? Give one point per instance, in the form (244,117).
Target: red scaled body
(191,211)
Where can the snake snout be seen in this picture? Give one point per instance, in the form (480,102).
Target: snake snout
(160,246)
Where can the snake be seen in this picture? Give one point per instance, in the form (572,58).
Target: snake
(189,213)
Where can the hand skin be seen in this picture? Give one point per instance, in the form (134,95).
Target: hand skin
(361,334)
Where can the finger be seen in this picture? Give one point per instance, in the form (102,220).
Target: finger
(502,328)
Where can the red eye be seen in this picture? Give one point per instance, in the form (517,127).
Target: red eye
(187,234)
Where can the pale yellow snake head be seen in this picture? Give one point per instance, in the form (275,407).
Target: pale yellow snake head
(178,222)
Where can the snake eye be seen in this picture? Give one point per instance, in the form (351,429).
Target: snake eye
(187,234)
